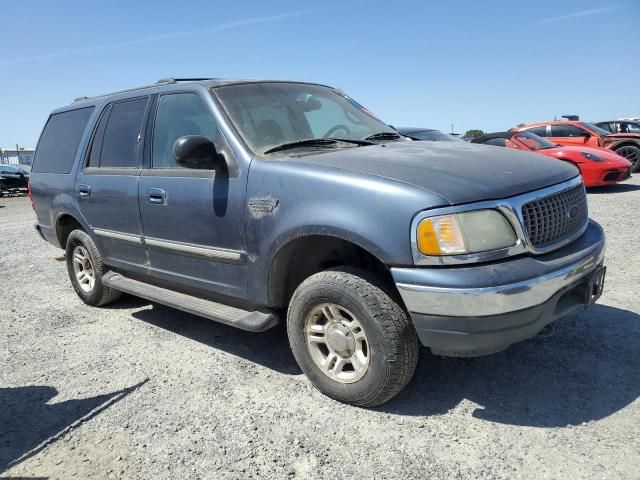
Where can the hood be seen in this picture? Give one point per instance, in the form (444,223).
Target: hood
(459,172)
(574,154)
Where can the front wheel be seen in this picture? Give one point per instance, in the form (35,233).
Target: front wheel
(354,342)
(631,153)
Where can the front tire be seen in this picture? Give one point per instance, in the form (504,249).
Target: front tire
(354,342)
(85,268)
(631,153)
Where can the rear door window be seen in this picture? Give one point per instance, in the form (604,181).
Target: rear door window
(540,131)
(122,134)
(60,140)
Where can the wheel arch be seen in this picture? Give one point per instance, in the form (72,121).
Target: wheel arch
(301,257)
(625,143)
(65,224)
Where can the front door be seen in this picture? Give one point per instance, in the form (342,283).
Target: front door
(192,219)
(107,185)
(572,135)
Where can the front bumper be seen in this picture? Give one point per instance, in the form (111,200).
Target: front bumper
(481,309)
(596,174)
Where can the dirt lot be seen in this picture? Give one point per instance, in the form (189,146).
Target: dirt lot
(138,390)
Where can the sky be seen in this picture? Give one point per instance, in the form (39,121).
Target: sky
(488,65)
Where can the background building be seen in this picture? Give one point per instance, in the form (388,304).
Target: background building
(22,155)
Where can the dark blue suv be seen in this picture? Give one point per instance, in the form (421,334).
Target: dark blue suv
(250,202)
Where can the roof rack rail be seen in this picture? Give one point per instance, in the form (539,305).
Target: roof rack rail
(175,80)
(161,81)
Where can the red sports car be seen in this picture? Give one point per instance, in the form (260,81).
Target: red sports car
(583,134)
(598,166)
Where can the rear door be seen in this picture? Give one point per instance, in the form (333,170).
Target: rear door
(193,220)
(107,185)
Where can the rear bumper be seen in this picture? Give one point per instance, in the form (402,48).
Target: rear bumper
(47,234)
(39,230)
(481,309)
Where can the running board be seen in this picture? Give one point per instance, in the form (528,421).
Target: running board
(236,317)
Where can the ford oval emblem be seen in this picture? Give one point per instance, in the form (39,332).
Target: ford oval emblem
(572,212)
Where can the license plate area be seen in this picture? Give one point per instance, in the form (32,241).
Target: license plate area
(594,286)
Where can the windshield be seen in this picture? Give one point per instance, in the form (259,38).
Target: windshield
(534,142)
(268,115)
(593,128)
(433,135)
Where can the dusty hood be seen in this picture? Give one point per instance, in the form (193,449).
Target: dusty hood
(459,172)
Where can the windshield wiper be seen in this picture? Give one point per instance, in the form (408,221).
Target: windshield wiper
(308,142)
(383,135)
(362,143)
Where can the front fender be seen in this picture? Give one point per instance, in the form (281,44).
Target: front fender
(289,200)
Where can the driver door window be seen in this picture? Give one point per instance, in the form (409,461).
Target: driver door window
(568,131)
(179,114)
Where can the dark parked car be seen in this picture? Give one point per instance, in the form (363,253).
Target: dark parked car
(620,126)
(428,134)
(13,179)
(254,202)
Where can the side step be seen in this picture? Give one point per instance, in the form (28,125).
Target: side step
(236,317)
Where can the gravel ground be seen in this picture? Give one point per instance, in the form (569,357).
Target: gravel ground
(138,390)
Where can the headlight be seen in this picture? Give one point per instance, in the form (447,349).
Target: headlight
(592,157)
(462,233)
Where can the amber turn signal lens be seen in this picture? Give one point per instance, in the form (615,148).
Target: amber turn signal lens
(440,236)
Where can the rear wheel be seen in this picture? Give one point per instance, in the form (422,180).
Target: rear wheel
(85,268)
(631,153)
(354,342)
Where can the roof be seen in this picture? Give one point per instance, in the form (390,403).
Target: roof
(207,82)
(405,130)
(553,122)
(624,120)
(489,136)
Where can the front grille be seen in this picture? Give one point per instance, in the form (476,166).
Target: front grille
(554,218)
(611,176)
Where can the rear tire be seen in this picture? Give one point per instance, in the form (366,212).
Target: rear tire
(85,268)
(631,153)
(354,342)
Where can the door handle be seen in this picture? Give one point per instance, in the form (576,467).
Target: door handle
(157,196)
(84,190)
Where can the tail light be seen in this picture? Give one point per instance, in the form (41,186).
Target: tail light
(31,196)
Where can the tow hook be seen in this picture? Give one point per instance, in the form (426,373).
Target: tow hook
(546,332)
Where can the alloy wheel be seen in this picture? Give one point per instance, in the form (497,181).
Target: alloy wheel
(337,343)
(83,269)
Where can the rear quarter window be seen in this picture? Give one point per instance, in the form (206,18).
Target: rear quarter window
(59,141)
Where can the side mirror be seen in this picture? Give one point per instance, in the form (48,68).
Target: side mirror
(196,151)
